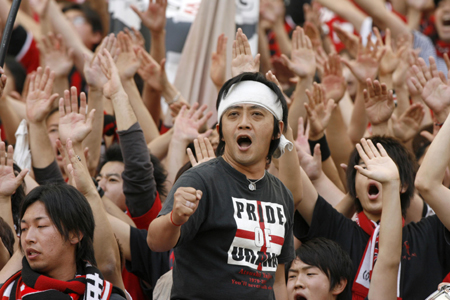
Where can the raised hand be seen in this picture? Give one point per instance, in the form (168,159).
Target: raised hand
(303,60)
(271,11)
(242,59)
(185,203)
(218,69)
(127,62)
(271,77)
(188,122)
(40,97)
(113,86)
(319,111)
(135,36)
(56,55)
(78,172)
(378,165)
(408,57)
(379,102)
(333,79)
(313,33)
(8,181)
(367,61)
(408,125)
(151,72)
(203,150)
(73,123)
(312,165)
(433,86)
(92,69)
(154,18)
(390,59)
(349,40)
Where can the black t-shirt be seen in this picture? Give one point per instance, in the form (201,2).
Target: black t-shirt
(145,263)
(425,248)
(231,246)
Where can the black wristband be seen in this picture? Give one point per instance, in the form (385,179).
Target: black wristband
(324,149)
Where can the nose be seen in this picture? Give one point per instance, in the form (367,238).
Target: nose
(299,284)
(29,236)
(102,184)
(244,121)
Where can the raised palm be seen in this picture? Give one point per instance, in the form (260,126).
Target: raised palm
(436,94)
(379,103)
(303,62)
(93,73)
(40,98)
(188,122)
(154,18)
(335,87)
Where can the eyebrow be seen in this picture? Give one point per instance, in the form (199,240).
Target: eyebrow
(109,174)
(35,219)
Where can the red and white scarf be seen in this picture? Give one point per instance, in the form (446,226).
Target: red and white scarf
(34,286)
(361,284)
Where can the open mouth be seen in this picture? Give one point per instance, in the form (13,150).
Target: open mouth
(446,21)
(299,297)
(244,142)
(58,154)
(373,191)
(31,253)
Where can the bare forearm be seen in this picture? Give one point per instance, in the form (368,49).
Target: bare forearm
(158,45)
(175,159)
(115,211)
(10,120)
(6,215)
(142,114)
(289,171)
(381,129)
(94,138)
(162,234)
(328,190)
(125,116)
(346,10)
(160,146)
(41,149)
(359,119)
(152,100)
(330,170)
(282,37)
(263,47)
(60,84)
(297,109)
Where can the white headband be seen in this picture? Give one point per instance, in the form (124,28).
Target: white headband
(254,92)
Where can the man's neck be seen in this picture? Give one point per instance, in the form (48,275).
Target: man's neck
(65,273)
(254,171)
(372,217)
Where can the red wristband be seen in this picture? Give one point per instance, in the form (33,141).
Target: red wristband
(171,220)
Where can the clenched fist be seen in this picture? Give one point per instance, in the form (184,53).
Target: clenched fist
(185,203)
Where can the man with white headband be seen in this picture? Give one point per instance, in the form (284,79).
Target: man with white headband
(229,220)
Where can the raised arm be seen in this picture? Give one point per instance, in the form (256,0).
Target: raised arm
(39,104)
(242,58)
(380,167)
(303,64)
(105,244)
(379,103)
(128,63)
(10,119)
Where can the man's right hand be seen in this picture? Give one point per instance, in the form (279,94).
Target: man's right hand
(185,203)
(40,97)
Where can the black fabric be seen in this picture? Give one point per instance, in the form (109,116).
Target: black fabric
(18,39)
(139,186)
(425,249)
(223,245)
(145,263)
(50,174)
(324,149)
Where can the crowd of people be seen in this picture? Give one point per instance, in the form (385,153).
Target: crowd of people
(322,172)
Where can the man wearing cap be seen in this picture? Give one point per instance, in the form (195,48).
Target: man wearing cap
(229,220)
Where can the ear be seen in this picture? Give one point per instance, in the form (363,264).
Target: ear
(403,188)
(281,127)
(339,287)
(75,238)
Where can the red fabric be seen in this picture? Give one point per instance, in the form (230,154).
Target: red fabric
(441,48)
(76,80)
(3,134)
(144,221)
(30,60)
(132,285)
(163,129)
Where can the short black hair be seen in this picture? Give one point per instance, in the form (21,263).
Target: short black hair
(249,76)
(404,160)
(70,212)
(330,258)
(114,153)
(7,236)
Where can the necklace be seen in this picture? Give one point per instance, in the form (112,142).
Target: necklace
(252,185)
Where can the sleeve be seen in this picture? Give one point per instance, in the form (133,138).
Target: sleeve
(425,45)
(288,252)
(190,178)
(145,263)
(142,222)
(23,47)
(139,185)
(49,174)
(327,222)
